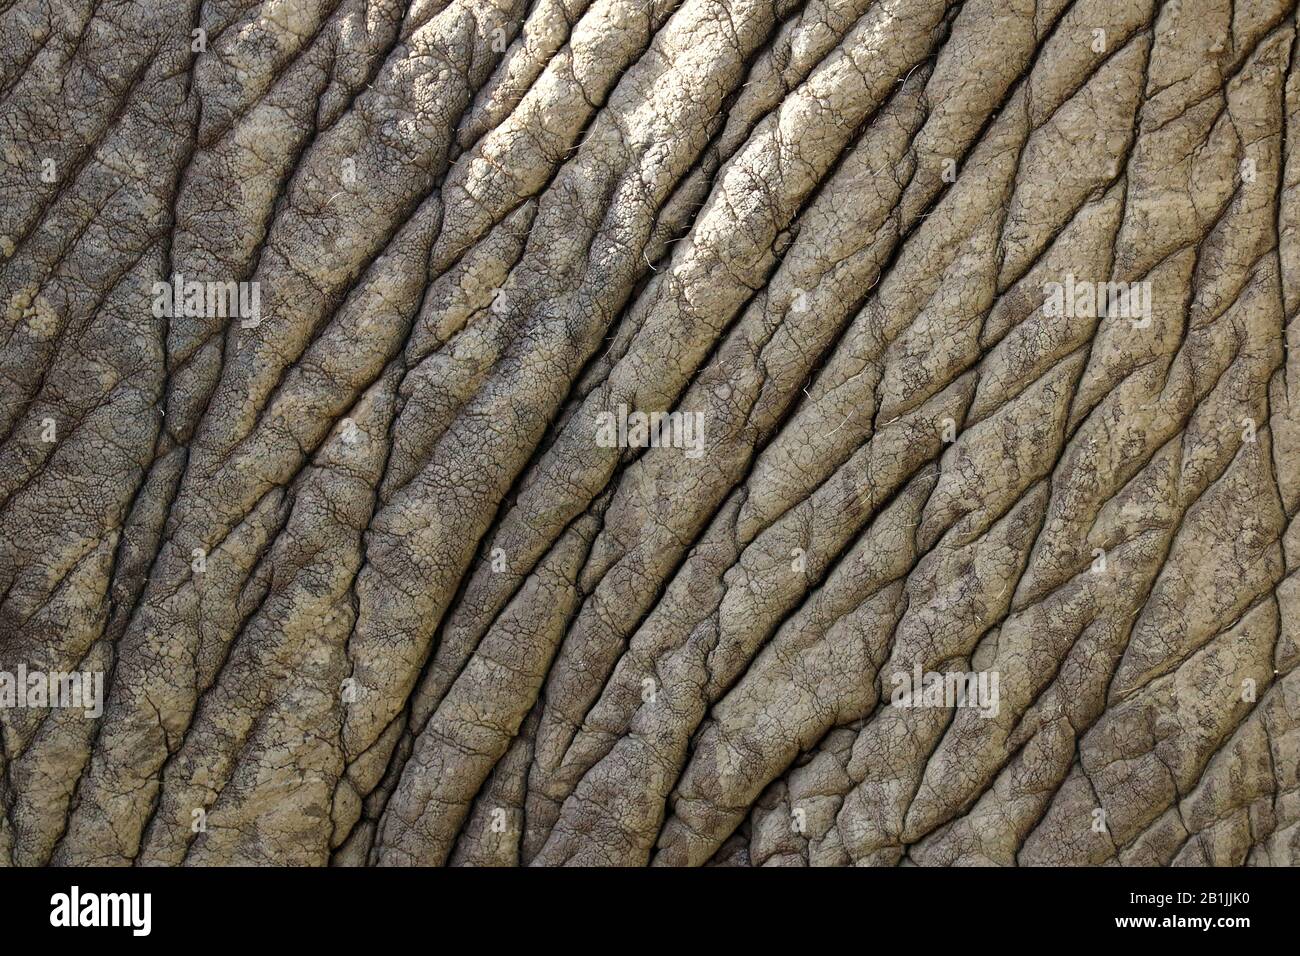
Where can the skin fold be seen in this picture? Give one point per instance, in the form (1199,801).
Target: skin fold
(650,432)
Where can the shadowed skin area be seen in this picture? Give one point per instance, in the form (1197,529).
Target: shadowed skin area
(650,432)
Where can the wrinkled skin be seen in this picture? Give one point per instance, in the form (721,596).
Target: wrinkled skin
(366,590)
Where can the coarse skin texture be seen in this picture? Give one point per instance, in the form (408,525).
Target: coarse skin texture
(366,587)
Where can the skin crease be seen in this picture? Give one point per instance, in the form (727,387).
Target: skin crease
(367,587)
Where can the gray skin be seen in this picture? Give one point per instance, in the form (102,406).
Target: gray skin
(364,583)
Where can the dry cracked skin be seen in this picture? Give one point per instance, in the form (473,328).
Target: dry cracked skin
(650,432)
